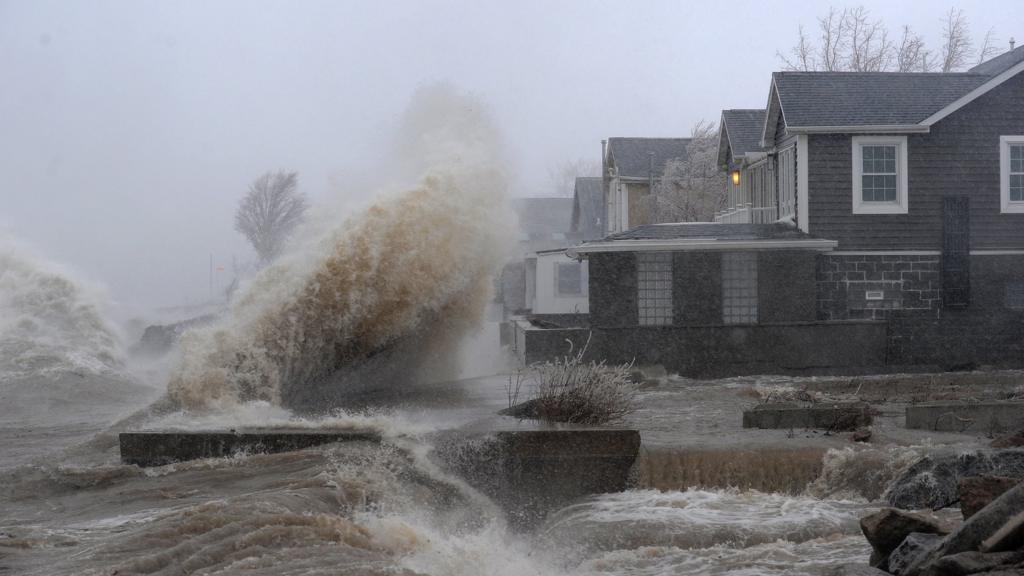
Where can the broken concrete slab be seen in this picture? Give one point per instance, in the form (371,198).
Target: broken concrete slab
(991,417)
(159,448)
(532,472)
(889,527)
(1009,537)
(841,416)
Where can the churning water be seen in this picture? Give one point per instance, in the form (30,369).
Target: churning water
(377,301)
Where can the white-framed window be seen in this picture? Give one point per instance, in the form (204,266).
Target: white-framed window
(880,175)
(739,287)
(1011,173)
(569,278)
(654,286)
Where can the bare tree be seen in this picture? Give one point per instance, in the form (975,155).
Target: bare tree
(692,189)
(988,46)
(849,39)
(912,55)
(802,54)
(956,35)
(868,45)
(269,213)
(563,175)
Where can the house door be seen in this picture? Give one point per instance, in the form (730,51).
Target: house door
(956,252)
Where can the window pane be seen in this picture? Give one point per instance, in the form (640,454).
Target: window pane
(654,287)
(1017,187)
(739,288)
(1017,158)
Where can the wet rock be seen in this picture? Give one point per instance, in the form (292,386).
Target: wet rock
(1009,537)
(969,537)
(1012,440)
(974,563)
(856,570)
(932,481)
(976,492)
(159,338)
(889,527)
(914,551)
(861,435)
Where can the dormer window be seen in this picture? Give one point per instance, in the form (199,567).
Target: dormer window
(880,175)
(1011,172)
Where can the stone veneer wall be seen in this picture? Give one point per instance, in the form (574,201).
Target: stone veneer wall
(908,283)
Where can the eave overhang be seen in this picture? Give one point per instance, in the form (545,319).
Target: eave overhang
(700,245)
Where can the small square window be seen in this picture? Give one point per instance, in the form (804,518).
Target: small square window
(570,278)
(879,175)
(654,288)
(1011,168)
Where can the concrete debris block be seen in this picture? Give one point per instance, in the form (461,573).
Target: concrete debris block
(976,492)
(835,417)
(932,481)
(162,448)
(985,522)
(914,551)
(960,416)
(1009,537)
(974,563)
(532,472)
(856,570)
(889,527)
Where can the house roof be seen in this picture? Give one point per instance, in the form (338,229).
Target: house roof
(632,156)
(744,129)
(703,237)
(543,216)
(838,99)
(587,207)
(1000,63)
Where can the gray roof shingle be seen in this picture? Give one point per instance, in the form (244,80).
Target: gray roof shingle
(587,208)
(632,157)
(710,231)
(868,98)
(542,217)
(1000,63)
(743,128)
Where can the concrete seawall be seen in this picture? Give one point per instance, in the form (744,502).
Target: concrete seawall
(162,448)
(992,417)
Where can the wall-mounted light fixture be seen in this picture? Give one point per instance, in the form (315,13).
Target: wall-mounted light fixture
(735,177)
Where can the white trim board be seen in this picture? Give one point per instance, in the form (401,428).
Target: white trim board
(887,253)
(704,244)
(974,94)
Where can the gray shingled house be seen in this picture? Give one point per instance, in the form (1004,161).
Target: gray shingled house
(631,166)
(877,221)
(588,208)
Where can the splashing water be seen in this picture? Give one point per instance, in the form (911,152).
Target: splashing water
(49,323)
(402,280)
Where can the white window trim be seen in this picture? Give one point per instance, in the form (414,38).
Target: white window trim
(901,205)
(1006,206)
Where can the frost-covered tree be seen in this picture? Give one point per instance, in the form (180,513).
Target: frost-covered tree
(851,40)
(269,213)
(691,189)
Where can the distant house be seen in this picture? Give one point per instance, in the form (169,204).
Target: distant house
(540,279)
(631,167)
(875,220)
(587,208)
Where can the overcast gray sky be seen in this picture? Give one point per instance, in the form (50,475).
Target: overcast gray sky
(129,129)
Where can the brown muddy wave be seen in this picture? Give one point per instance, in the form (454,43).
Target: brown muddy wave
(399,282)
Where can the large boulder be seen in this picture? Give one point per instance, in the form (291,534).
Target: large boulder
(976,492)
(914,551)
(932,481)
(889,527)
(982,526)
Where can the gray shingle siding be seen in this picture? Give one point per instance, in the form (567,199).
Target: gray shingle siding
(959,156)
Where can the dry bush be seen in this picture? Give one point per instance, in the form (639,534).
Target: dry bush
(571,390)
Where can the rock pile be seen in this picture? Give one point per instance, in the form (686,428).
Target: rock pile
(989,542)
